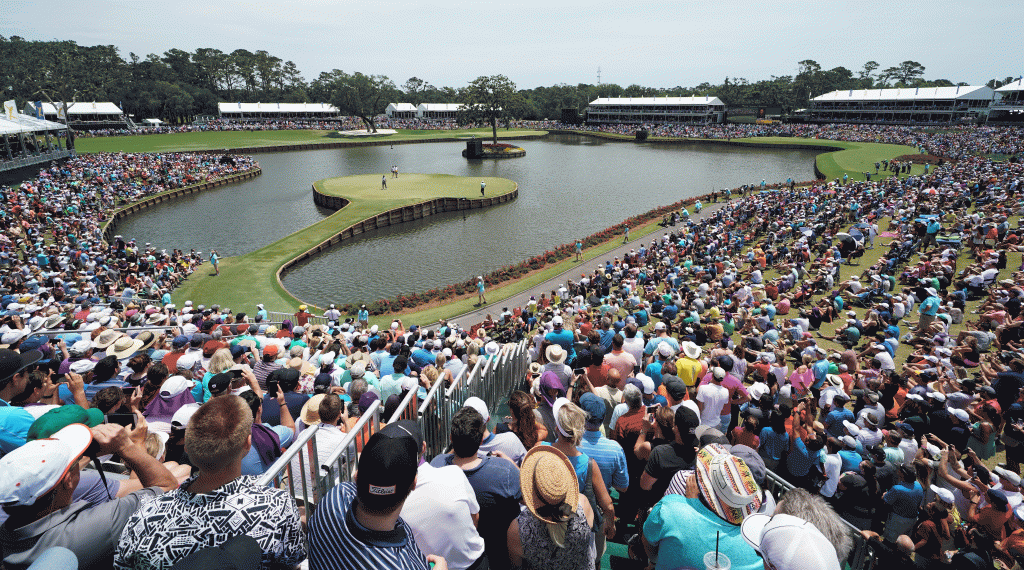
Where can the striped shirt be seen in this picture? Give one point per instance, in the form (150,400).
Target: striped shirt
(337,540)
(609,457)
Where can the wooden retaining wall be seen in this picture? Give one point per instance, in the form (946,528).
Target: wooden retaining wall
(111,225)
(389,218)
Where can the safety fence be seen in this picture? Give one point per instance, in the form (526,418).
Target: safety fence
(307,478)
(863,554)
(279,316)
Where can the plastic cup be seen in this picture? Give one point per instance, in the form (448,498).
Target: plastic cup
(722,562)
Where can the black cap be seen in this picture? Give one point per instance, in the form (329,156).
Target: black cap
(686,422)
(220,382)
(13,362)
(675,388)
(387,468)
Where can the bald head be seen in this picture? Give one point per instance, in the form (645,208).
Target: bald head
(615,378)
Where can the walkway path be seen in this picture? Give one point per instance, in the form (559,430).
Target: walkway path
(467,320)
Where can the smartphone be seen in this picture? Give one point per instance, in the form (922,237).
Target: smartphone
(272,388)
(578,371)
(652,409)
(236,373)
(128,391)
(126,420)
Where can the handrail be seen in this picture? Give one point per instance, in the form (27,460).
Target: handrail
(335,469)
(284,462)
(407,410)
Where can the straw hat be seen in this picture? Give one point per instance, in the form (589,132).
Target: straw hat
(311,410)
(555,354)
(549,483)
(124,347)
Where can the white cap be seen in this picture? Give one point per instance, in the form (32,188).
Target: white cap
(34,469)
(557,321)
(789,543)
(647,381)
(659,326)
(665,349)
(181,417)
(478,405)
(944,495)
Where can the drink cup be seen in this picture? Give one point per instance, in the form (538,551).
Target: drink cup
(722,562)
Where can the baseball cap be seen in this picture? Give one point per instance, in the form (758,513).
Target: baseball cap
(179,341)
(12,362)
(270,349)
(478,405)
(34,469)
(1007,475)
(595,408)
(220,382)
(59,418)
(675,388)
(387,469)
(789,543)
(181,417)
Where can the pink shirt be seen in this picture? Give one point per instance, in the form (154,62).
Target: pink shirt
(733,384)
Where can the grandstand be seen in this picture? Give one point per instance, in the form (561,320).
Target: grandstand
(88,115)
(1008,107)
(26,140)
(435,111)
(259,111)
(658,110)
(905,106)
(401,111)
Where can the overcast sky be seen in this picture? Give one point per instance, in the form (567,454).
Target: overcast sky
(659,44)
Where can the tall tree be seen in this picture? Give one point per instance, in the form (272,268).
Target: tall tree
(907,73)
(490,98)
(364,96)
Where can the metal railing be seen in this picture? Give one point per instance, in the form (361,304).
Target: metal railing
(862,555)
(279,316)
(341,463)
(280,473)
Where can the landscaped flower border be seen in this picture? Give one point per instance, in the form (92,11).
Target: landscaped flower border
(512,272)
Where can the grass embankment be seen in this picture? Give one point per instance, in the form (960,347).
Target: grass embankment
(182,142)
(251,278)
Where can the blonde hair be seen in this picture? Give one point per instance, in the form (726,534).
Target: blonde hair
(572,419)
(220,361)
(431,373)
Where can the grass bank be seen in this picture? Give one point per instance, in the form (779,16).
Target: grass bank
(183,142)
(252,278)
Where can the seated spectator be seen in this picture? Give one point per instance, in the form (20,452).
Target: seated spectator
(38,481)
(168,529)
(443,512)
(507,443)
(267,440)
(681,529)
(554,532)
(494,479)
(360,523)
(786,542)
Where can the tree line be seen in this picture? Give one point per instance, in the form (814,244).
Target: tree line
(179,85)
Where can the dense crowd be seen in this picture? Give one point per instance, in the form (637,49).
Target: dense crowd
(666,390)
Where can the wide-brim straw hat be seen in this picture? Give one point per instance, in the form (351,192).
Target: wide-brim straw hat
(555,354)
(310,414)
(548,479)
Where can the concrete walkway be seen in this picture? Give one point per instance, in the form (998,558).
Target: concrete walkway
(494,308)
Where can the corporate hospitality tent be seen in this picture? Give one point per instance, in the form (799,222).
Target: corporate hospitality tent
(400,110)
(248,111)
(657,110)
(907,105)
(26,140)
(1008,107)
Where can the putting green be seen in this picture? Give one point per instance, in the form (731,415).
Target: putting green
(252,278)
(183,142)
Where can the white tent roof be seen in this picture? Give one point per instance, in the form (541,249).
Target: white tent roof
(85,108)
(657,101)
(26,124)
(440,106)
(275,107)
(1013,86)
(402,107)
(910,94)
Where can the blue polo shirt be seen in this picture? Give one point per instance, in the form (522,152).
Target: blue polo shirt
(905,499)
(14,424)
(930,306)
(820,369)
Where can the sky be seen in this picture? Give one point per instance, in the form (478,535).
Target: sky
(542,43)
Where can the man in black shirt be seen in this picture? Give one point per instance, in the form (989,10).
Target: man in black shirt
(669,458)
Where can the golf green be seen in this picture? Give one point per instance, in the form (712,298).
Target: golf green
(253,278)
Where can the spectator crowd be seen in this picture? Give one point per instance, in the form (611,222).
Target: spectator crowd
(782,380)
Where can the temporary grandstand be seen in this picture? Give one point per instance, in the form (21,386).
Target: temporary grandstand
(438,111)
(260,111)
(656,110)
(1008,107)
(400,111)
(904,106)
(88,115)
(26,140)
